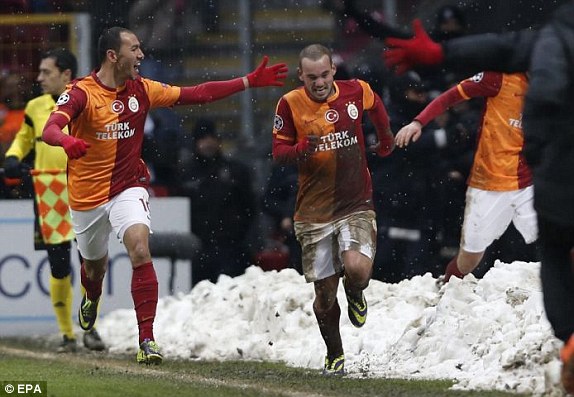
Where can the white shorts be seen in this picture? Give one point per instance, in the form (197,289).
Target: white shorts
(323,244)
(93,227)
(487,216)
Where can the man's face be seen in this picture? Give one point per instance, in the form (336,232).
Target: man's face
(317,77)
(51,80)
(130,56)
(208,146)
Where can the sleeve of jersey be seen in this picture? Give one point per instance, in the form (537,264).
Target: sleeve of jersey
(161,94)
(380,118)
(210,91)
(440,104)
(69,106)
(284,145)
(486,84)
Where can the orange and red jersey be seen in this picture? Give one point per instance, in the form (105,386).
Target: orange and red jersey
(499,163)
(334,181)
(112,122)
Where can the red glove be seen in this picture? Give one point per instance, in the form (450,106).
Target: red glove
(308,145)
(406,53)
(265,76)
(74,147)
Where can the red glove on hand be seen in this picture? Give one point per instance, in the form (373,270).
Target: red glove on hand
(265,76)
(308,145)
(406,53)
(74,147)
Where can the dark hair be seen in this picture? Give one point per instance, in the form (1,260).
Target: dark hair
(449,12)
(63,59)
(110,39)
(204,127)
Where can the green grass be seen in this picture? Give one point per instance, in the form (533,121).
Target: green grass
(100,374)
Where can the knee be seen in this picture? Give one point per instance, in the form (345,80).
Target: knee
(358,277)
(139,253)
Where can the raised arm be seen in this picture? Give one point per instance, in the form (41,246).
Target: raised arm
(504,52)
(262,76)
(413,130)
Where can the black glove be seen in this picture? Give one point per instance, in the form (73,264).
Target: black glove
(12,167)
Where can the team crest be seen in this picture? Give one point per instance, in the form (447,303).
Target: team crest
(133,104)
(331,116)
(117,107)
(352,111)
(278,122)
(63,99)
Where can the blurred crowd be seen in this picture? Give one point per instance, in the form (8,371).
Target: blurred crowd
(419,191)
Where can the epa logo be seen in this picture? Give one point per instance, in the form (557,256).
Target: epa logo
(18,388)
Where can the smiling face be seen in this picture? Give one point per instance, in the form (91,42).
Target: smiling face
(129,57)
(51,79)
(317,77)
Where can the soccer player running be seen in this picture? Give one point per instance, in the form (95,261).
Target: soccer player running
(107,179)
(549,140)
(53,231)
(319,127)
(500,183)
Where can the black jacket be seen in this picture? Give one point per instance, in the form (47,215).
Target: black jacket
(548,116)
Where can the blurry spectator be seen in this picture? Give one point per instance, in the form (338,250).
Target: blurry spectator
(222,206)
(279,204)
(155,22)
(12,102)
(13,94)
(405,187)
(163,133)
(356,47)
(159,26)
(450,22)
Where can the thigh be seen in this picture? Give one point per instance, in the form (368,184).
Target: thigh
(487,215)
(92,229)
(358,232)
(129,208)
(320,254)
(525,219)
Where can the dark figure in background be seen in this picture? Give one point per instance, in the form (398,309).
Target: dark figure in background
(278,203)
(450,22)
(547,120)
(163,132)
(222,206)
(404,192)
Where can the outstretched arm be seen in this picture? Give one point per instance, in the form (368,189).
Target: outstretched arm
(505,52)
(439,105)
(262,76)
